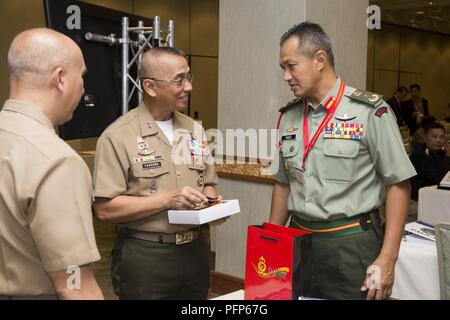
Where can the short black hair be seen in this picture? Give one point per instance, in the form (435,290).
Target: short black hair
(415,85)
(427,120)
(402,89)
(312,38)
(158,51)
(432,125)
(166,50)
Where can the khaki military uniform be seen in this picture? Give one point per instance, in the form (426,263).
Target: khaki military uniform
(134,158)
(45,204)
(359,153)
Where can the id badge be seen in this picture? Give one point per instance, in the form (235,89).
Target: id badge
(299,174)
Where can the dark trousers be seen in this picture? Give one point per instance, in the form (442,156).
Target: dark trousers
(339,264)
(144,270)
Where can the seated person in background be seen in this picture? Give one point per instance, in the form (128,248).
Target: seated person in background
(418,139)
(395,102)
(432,161)
(414,109)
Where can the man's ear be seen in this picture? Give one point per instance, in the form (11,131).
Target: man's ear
(148,87)
(321,57)
(58,78)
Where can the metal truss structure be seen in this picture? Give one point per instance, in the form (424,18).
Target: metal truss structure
(146,37)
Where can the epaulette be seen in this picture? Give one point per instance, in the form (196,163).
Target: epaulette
(366,97)
(290,104)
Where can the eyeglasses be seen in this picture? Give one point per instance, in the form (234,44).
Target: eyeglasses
(179,82)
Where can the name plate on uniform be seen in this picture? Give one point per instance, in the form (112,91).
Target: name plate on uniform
(197,217)
(151,165)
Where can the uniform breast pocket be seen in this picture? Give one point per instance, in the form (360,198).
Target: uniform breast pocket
(149,179)
(149,170)
(289,150)
(197,175)
(340,160)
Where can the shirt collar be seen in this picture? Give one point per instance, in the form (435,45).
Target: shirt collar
(29,111)
(332,93)
(147,123)
(150,127)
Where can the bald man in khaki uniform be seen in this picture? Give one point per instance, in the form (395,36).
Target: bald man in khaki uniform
(46,233)
(151,160)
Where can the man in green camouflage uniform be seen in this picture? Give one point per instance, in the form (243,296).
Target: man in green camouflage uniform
(331,182)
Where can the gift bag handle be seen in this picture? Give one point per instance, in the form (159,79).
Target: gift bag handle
(269,238)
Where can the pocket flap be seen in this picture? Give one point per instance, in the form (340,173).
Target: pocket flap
(199,167)
(341,148)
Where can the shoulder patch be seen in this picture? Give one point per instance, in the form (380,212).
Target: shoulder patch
(381,111)
(366,97)
(290,104)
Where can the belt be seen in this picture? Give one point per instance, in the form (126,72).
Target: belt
(335,228)
(177,238)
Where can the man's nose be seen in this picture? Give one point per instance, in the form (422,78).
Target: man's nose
(287,76)
(187,86)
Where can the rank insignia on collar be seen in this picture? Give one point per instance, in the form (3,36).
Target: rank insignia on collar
(345,117)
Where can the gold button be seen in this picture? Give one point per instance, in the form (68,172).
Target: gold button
(178,173)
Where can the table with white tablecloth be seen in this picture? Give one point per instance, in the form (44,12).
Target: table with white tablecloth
(434,205)
(416,271)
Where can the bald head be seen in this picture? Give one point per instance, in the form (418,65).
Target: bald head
(35,53)
(46,71)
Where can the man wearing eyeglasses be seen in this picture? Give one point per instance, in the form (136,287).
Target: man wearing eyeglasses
(138,177)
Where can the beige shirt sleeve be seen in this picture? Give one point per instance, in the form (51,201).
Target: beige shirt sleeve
(61,216)
(111,171)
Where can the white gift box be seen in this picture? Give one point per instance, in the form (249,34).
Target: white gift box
(197,217)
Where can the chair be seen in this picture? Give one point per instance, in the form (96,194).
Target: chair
(443,251)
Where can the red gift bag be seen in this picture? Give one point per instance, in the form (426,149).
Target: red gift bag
(278,263)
